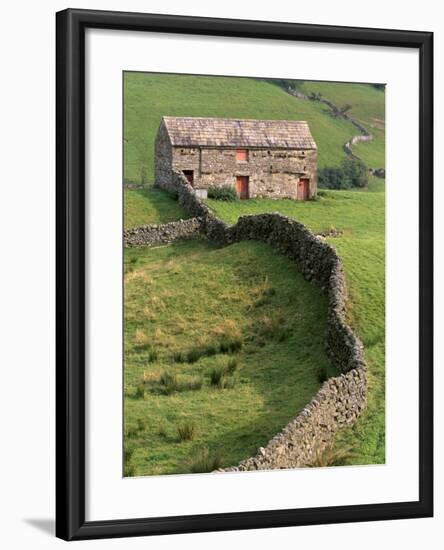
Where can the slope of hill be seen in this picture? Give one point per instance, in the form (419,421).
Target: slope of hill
(367,106)
(148,97)
(367,103)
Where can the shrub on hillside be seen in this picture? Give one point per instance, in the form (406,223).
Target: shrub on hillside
(338,112)
(356,172)
(350,173)
(224,193)
(315,96)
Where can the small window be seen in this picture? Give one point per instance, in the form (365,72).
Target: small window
(241,155)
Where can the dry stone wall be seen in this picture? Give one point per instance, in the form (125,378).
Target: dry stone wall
(355,139)
(364,136)
(148,235)
(340,399)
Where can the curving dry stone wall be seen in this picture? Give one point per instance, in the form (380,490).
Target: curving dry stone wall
(214,228)
(340,399)
(336,405)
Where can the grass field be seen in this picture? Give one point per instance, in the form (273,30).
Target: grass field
(148,97)
(367,103)
(148,205)
(372,152)
(222,348)
(375,185)
(360,215)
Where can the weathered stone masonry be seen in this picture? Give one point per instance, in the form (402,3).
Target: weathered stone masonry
(148,235)
(279,154)
(340,399)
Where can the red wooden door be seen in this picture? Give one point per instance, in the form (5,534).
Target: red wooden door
(242,186)
(303,189)
(189,174)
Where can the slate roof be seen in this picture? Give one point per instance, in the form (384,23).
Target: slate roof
(240,133)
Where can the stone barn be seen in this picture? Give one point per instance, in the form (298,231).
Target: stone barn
(259,158)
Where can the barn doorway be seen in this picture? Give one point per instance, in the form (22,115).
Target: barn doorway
(303,189)
(189,174)
(242,184)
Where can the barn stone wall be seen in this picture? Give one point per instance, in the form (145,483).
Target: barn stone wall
(340,399)
(272,172)
(163,156)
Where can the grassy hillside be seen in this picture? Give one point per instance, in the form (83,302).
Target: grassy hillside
(189,297)
(182,303)
(360,215)
(367,103)
(147,97)
(148,205)
(372,152)
(367,106)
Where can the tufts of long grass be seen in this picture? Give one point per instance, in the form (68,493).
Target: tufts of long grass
(222,375)
(169,382)
(216,375)
(179,357)
(322,374)
(172,383)
(232,365)
(128,467)
(230,345)
(194,383)
(204,462)
(153,356)
(140,391)
(141,339)
(332,457)
(186,430)
(272,328)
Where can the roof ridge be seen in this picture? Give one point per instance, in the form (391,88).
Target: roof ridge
(232,118)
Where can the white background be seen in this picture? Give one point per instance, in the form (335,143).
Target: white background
(27,293)
(108,495)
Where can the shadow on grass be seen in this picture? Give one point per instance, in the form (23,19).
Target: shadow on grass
(164,205)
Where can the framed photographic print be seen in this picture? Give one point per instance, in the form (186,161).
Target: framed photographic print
(244,274)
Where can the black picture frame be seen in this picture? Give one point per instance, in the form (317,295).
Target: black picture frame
(70,277)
